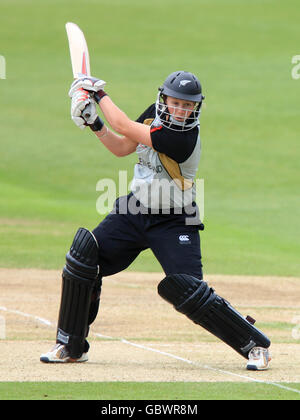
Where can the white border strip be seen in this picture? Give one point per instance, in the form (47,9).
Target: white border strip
(173,356)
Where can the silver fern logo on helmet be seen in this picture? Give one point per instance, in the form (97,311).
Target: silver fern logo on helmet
(185,86)
(184,82)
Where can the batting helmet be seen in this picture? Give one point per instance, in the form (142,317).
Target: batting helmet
(180,85)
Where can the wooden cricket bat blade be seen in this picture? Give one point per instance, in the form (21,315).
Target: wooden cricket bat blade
(79,52)
(80,58)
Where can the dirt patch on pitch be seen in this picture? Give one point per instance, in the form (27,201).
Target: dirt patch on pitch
(138,336)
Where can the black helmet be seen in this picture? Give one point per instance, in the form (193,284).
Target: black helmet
(182,85)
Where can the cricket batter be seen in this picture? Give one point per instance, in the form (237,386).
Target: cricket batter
(160,213)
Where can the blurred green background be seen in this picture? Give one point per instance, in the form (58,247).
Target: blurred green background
(242,53)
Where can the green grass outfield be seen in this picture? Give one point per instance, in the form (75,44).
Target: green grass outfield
(146,391)
(242,53)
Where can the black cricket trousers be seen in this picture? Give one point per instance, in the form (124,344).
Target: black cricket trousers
(121,238)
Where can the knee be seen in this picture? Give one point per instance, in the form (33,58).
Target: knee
(82,258)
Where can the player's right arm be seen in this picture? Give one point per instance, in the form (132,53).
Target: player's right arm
(118,145)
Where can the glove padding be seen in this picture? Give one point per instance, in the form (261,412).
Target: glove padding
(80,99)
(90,84)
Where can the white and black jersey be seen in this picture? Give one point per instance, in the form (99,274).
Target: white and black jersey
(164,175)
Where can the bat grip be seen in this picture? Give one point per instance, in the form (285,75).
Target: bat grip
(87,112)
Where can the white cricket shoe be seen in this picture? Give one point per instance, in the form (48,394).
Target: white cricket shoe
(259,359)
(60,354)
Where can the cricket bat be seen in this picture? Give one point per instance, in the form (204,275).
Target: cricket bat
(80,58)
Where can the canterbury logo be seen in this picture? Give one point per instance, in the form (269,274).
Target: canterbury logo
(184,238)
(184,82)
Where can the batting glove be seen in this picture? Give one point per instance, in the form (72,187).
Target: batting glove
(91,84)
(80,100)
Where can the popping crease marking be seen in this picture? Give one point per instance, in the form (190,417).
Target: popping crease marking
(37,318)
(173,356)
(226,372)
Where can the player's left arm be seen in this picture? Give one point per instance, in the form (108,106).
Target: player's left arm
(118,120)
(131,132)
(177,145)
(122,124)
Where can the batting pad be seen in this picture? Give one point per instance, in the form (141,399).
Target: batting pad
(195,299)
(79,278)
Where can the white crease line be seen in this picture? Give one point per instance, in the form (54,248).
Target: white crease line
(37,318)
(173,356)
(248,378)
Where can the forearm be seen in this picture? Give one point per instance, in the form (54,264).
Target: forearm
(118,145)
(132,132)
(122,124)
(116,118)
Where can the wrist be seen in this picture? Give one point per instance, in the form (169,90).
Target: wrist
(97,125)
(103,134)
(99,95)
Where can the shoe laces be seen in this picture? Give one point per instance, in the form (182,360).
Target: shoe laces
(256,353)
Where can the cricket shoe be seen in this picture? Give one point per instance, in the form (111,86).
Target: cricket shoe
(60,354)
(259,359)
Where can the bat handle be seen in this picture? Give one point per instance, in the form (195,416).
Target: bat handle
(86,113)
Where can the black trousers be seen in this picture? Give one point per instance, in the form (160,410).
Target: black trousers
(121,238)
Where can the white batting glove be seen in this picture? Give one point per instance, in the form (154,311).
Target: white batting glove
(80,100)
(91,84)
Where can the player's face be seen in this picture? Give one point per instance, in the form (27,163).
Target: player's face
(180,109)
